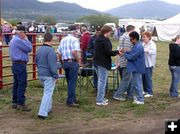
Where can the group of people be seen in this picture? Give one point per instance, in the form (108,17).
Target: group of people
(135,61)
(136,66)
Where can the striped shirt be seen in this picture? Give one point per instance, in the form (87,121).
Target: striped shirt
(67,45)
(124,42)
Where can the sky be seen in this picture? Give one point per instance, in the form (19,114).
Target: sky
(103,5)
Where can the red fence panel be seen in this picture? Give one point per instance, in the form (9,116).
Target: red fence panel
(31,64)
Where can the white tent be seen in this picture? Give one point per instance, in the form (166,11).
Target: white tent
(173,20)
(168,29)
(138,23)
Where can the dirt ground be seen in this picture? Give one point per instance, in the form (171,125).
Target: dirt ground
(151,123)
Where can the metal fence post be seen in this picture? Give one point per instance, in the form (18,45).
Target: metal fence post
(34,54)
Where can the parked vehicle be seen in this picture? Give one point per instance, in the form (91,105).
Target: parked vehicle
(62,27)
(113,25)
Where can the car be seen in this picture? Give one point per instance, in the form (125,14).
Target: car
(62,27)
(112,25)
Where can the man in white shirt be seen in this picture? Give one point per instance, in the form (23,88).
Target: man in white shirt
(68,53)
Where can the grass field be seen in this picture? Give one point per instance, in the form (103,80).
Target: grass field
(120,111)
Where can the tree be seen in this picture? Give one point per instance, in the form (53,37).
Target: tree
(98,20)
(46,19)
(14,22)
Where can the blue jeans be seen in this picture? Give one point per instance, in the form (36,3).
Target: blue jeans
(84,58)
(125,84)
(95,77)
(136,86)
(71,73)
(147,80)
(7,38)
(46,102)
(95,80)
(102,74)
(175,74)
(20,83)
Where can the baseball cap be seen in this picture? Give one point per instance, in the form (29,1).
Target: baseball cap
(21,28)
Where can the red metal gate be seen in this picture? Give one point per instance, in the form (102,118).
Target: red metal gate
(5,68)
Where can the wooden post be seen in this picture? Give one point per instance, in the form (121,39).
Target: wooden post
(1,65)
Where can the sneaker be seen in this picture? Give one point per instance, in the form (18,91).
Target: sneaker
(73,105)
(106,100)
(148,95)
(76,101)
(41,117)
(144,93)
(119,98)
(138,102)
(135,98)
(23,108)
(101,103)
(50,112)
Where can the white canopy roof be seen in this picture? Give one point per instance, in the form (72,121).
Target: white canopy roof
(169,28)
(173,20)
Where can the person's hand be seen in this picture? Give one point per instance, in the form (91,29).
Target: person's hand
(121,52)
(117,65)
(126,49)
(55,81)
(23,36)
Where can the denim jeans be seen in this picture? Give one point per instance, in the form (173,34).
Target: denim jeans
(125,84)
(95,77)
(7,38)
(95,80)
(136,85)
(102,74)
(71,73)
(175,74)
(84,58)
(19,84)
(46,102)
(147,80)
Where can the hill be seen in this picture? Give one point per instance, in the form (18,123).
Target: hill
(152,9)
(30,9)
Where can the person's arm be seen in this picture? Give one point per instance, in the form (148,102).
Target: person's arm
(177,52)
(134,53)
(24,45)
(117,61)
(91,45)
(75,50)
(59,54)
(108,50)
(52,63)
(151,49)
(75,54)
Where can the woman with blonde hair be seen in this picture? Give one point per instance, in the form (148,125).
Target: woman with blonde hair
(174,66)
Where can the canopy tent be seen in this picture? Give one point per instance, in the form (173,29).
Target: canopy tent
(138,23)
(173,20)
(168,29)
